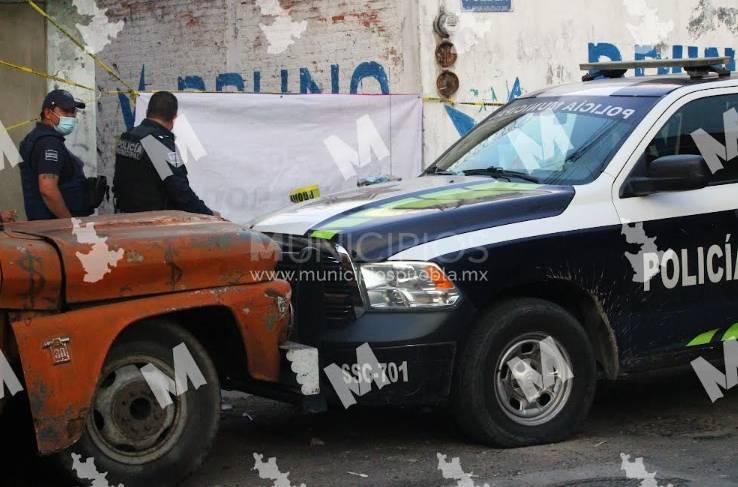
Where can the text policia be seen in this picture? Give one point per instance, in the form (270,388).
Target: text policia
(714,264)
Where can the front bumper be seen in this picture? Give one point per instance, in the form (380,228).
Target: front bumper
(413,351)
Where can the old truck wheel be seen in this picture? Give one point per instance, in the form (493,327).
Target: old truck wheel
(526,376)
(128,434)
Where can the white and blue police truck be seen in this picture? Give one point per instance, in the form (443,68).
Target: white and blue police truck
(582,232)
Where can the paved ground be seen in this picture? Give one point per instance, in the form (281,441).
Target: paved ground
(670,422)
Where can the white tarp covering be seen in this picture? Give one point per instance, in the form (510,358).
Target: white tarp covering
(246,153)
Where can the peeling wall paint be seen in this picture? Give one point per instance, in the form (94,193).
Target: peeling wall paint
(471,31)
(283,31)
(99,32)
(708,17)
(651,29)
(68,61)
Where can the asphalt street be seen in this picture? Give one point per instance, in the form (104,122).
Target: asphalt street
(683,438)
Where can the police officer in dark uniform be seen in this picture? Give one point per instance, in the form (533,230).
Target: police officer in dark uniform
(54,182)
(148,174)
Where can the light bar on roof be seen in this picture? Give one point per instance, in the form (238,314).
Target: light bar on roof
(657,63)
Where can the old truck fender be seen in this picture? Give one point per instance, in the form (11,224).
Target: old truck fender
(62,355)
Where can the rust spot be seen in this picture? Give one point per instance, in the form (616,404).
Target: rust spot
(38,398)
(175,271)
(338,18)
(47,434)
(74,425)
(270,319)
(36,280)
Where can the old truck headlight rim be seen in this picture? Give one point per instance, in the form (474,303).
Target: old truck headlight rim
(407,285)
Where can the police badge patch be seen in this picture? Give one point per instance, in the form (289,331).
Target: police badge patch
(51,155)
(130,149)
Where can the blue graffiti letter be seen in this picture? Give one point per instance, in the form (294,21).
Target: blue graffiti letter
(335,89)
(645,52)
(191,83)
(257,81)
(605,49)
(229,79)
(307,85)
(369,70)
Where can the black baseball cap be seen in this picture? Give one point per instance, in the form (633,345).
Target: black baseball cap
(62,99)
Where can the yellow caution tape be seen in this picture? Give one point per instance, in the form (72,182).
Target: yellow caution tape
(79,44)
(469,103)
(26,69)
(305,193)
(22,124)
(33,120)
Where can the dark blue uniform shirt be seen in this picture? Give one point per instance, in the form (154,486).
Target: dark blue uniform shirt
(43,152)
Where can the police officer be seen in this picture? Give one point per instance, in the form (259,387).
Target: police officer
(148,173)
(53,179)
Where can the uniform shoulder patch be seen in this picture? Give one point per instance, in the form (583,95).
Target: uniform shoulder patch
(51,155)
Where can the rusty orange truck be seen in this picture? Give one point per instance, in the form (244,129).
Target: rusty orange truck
(121,330)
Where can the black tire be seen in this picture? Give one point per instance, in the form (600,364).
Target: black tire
(183,437)
(479,397)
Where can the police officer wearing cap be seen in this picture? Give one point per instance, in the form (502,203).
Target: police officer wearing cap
(154,181)
(54,183)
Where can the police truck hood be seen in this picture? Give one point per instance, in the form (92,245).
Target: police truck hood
(378,221)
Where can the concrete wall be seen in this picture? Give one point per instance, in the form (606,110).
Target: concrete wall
(541,43)
(272,46)
(22,94)
(322,45)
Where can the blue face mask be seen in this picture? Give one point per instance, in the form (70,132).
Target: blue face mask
(66,125)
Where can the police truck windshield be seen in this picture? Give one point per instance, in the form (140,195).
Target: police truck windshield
(557,140)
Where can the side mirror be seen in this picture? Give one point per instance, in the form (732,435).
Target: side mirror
(669,173)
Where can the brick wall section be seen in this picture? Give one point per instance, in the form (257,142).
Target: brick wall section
(178,38)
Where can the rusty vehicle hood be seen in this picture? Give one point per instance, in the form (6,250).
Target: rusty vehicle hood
(118,256)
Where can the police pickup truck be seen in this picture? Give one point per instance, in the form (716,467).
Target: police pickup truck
(580,232)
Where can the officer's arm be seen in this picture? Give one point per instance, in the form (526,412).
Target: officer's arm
(47,161)
(181,194)
(48,185)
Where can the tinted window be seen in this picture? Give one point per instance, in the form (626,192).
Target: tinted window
(676,136)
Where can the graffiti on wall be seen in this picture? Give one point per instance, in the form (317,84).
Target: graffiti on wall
(229,81)
(611,52)
(601,51)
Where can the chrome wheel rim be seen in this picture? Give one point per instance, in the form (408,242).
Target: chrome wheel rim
(126,422)
(533,379)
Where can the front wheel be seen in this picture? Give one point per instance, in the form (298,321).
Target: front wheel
(526,376)
(143,432)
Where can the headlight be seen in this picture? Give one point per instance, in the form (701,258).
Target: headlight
(408,285)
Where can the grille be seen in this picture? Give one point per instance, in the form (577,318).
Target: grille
(325,293)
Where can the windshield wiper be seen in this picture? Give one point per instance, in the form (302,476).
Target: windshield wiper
(498,172)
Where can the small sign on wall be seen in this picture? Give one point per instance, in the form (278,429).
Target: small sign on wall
(486,5)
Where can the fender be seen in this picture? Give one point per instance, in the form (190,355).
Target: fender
(60,394)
